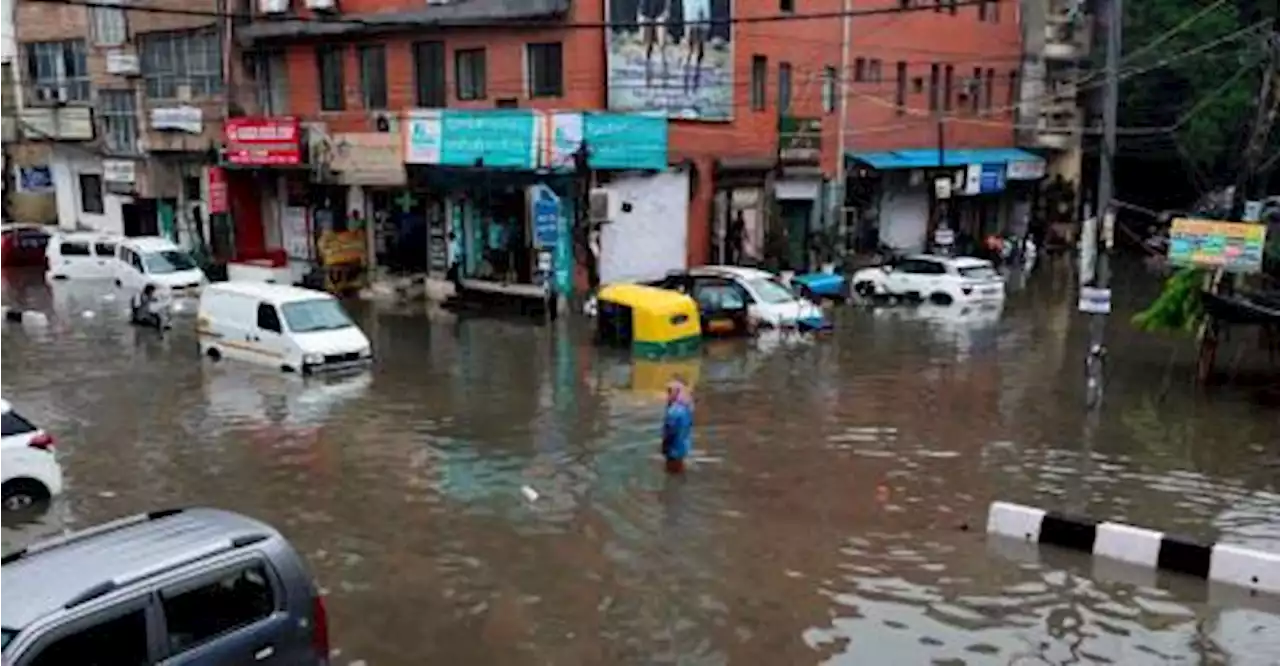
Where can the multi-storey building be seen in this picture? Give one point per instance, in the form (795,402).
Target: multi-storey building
(480,134)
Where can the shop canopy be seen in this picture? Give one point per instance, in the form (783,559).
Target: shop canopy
(924,158)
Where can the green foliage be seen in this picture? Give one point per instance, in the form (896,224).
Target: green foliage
(1178,308)
(1162,96)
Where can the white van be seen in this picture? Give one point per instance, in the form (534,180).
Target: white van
(81,255)
(294,329)
(147,260)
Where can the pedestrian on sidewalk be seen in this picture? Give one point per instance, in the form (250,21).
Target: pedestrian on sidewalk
(677,426)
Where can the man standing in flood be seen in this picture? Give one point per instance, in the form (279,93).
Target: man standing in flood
(677,426)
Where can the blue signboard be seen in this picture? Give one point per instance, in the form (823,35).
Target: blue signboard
(546,218)
(993,176)
(504,138)
(564,249)
(626,141)
(35,179)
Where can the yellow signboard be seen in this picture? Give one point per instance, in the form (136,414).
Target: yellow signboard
(342,247)
(1236,247)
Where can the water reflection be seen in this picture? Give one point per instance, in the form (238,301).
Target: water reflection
(831,517)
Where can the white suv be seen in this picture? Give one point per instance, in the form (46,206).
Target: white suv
(30,469)
(937,279)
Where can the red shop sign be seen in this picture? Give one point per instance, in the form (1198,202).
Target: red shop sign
(217,191)
(263,141)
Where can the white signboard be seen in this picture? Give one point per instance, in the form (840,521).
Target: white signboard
(188,119)
(973,179)
(1025,170)
(119,171)
(1094,300)
(423,141)
(121,62)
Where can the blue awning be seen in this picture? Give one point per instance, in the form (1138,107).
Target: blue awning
(923,158)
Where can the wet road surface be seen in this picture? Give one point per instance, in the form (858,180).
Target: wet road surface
(834,514)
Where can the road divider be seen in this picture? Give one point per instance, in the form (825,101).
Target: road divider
(25,317)
(1249,568)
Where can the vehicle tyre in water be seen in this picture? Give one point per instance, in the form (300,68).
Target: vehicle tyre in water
(22,495)
(940,299)
(865,290)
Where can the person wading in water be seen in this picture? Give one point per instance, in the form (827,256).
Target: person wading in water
(677,426)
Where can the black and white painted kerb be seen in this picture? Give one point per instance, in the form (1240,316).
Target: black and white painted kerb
(28,317)
(1236,565)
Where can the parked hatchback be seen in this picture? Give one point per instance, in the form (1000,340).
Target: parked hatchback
(30,468)
(183,586)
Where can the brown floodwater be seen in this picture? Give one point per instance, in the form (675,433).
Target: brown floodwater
(834,512)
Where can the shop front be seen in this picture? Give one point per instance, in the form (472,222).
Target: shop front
(257,199)
(507,183)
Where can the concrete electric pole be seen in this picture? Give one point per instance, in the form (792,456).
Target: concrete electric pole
(1105,222)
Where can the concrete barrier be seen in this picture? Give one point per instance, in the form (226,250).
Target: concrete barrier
(25,317)
(1226,563)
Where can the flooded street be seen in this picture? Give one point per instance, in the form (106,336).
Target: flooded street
(834,513)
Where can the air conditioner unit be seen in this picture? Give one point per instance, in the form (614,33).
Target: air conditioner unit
(322,5)
(599,202)
(273,6)
(183,92)
(385,122)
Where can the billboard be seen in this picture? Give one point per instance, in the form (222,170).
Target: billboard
(673,57)
(1236,247)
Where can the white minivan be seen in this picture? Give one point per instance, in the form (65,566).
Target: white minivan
(147,260)
(294,329)
(81,255)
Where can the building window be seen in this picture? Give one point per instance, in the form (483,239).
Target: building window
(935,81)
(1013,93)
(118,113)
(57,72)
(108,25)
(546,70)
(178,65)
(988,93)
(829,89)
(900,97)
(373,75)
(759,81)
(948,87)
(787,6)
(428,74)
(860,70)
(784,87)
(469,73)
(270,73)
(873,71)
(329,70)
(975,91)
(91,194)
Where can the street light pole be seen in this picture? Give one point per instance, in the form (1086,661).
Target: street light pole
(842,175)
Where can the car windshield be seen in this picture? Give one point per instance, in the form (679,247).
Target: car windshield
(321,314)
(771,291)
(8,636)
(167,261)
(980,272)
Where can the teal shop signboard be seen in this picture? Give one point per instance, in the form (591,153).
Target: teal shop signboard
(499,138)
(528,139)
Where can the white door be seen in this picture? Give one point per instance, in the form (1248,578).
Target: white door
(74,259)
(902,279)
(104,259)
(132,276)
(648,236)
(267,341)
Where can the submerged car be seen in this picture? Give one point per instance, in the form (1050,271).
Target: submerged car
(32,474)
(936,279)
(768,302)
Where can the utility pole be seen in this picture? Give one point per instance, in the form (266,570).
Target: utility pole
(1105,214)
(842,176)
(583,228)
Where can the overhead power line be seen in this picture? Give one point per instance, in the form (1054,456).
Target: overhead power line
(541,23)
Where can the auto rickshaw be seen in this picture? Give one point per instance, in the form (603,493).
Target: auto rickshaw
(647,320)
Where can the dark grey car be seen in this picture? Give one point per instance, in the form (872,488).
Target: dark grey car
(184,586)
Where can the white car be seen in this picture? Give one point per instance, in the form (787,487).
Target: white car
(30,468)
(937,279)
(154,260)
(769,302)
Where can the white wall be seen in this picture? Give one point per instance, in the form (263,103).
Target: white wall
(66,166)
(904,215)
(652,238)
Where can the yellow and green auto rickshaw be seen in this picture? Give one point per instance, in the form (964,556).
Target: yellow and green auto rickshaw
(647,320)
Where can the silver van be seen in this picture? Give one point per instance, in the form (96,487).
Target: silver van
(182,586)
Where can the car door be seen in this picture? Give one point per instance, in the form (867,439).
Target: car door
(104,258)
(268,340)
(900,279)
(115,636)
(74,259)
(135,275)
(235,614)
